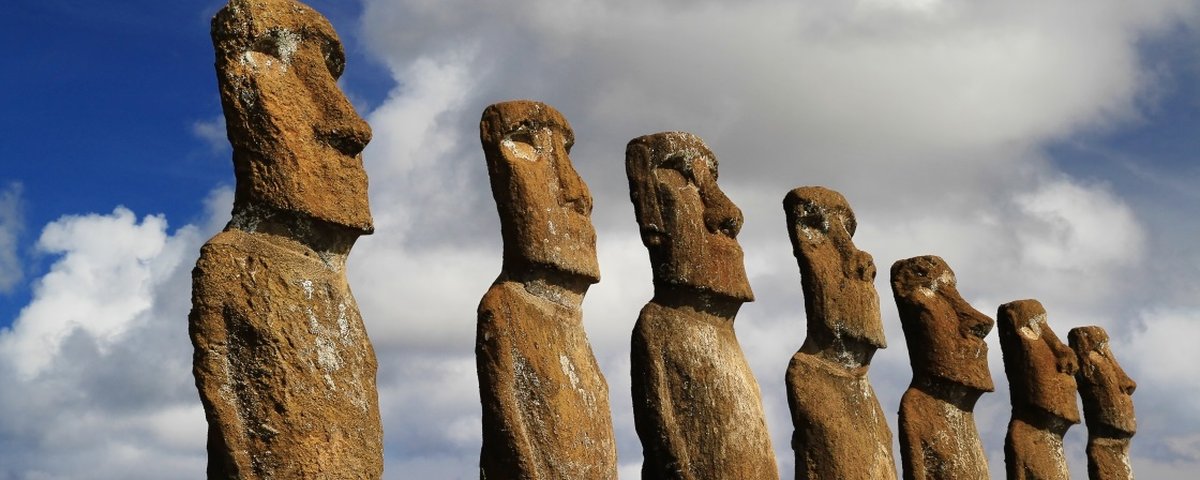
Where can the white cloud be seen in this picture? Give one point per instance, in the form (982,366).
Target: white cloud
(96,368)
(11,224)
(212,132)
(929,115)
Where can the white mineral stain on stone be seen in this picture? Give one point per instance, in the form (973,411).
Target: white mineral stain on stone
(287,42)
(307,285)
(1033,330)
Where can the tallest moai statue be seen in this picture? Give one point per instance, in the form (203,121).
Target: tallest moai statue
(282,361)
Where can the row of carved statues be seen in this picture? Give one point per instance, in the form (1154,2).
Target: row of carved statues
(286,372)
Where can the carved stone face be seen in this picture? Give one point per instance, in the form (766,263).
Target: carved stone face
(943,332)
(688,224)
(1106,390)
(838,278)
(296,139)
(1041,370)
(545,208)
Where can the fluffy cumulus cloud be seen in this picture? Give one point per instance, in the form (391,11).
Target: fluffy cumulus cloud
(931,116)
(96,368)
(11,225)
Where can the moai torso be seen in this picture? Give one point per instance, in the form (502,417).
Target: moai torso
(285,371)
(938,436)
(697,407)
(840,429)
(1107,394)
(545,402)
(1041,382)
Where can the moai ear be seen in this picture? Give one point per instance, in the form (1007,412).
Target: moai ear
(639,167)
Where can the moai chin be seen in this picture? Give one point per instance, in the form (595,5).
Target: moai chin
(840,429)
(1041,381)
(696,404)
(944,334)
(1107,394)
(283,364)
(545,402)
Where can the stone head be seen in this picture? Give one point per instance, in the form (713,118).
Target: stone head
(838,279)
(1106,390)
(943,332)
(687,223)
(1040,368)
(545,208)
(297,141)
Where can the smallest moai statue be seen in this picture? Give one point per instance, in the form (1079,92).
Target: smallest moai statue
(1107,394)
(1041,381)
(938,436)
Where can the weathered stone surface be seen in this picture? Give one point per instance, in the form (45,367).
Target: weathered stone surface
(545,402)
(282,361)
(840,429)
(944,334)
(1107,394)
(1041,383)
(696,404)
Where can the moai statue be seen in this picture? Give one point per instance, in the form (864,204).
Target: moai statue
(545,402)
(840,429)
(944,334)
(1107,394)
(285,370)
(696,404)
(1041,383)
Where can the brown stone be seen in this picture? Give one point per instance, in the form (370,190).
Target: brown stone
(545,402)
(944,335)
(696,404)
(1107,394)
(283,364)
(840,429)
(1041,383)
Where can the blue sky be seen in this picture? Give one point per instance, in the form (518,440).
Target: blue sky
(1045,149)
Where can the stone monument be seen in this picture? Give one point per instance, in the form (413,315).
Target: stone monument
(944,334)
(697,407)
(840,429)
(545,403)
(285,371)
(1107,394)
(1041,383)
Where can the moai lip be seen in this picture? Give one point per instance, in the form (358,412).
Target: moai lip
(545,402)
(840,430)
(282,361)
(1041,378)
(1107,394)
(697,407)
(944,335)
